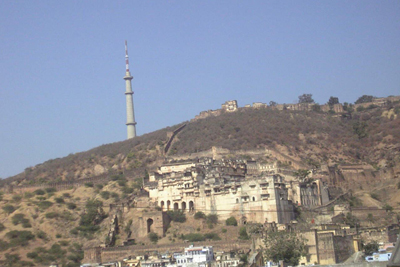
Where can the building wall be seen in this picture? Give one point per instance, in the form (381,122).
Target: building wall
(326,249)
(258,200)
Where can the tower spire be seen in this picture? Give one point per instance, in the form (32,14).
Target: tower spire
(130,115)
(126,56)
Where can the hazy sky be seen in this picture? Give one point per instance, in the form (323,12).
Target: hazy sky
(62,64)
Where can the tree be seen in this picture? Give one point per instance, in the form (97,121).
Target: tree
(360,129)
(333,100)
(153,237)
(272,103)
(211,220)
(371,248)
(306,98)
(199,215)
(364,99)
(301,174)
(243,233)
(231,221)
(285,246)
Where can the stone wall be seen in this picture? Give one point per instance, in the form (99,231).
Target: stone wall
(92,255)
(343,247)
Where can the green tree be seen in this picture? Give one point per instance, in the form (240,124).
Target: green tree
(285,246)
(306,98)
(153,237)
(371,248)
(333,100)
(199,215)
(360,129)
(93,216)
(243,233)
(177,216)
(387,207)
(9,208)
(301,174)
(364,99)
(231,221)
(211,220)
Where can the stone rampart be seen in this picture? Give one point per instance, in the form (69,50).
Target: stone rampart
(118,253)
(168,145)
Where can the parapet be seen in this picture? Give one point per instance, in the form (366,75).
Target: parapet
(230,105)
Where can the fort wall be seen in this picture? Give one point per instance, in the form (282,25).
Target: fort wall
(97,255)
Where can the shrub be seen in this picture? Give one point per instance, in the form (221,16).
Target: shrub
(387,207)
(105,194)
(223,230)
(71,206)
(360,109)
(16,198)
(32,255)
(74,231)
(115,195)
(66,195)
(2,227)
(177,216)
(4,245)
(59,200)
(51,215)
(231,221)
(41,235)
(58,235)
(19,218)
(199,215)
(371,248)
(12,259)
(211,220)
(28,195)
(94,215)
(99,186)
(127,190)
(44,204)
(19,238)
(9,208)
(243,233)
(153,237)
(89,184)
(122,183)
(194,237)
(39,192)
(63,243)
(374,196)
(212,236)
(50,190)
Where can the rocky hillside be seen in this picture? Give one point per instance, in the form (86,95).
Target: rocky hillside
(368,136)
(40,225)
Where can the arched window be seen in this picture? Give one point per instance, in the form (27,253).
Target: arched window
(191,205)
(149,223)
(183,206)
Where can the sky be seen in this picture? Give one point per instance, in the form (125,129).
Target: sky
(62,64)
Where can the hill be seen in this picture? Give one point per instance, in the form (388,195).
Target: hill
(369,136)
(42,206)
